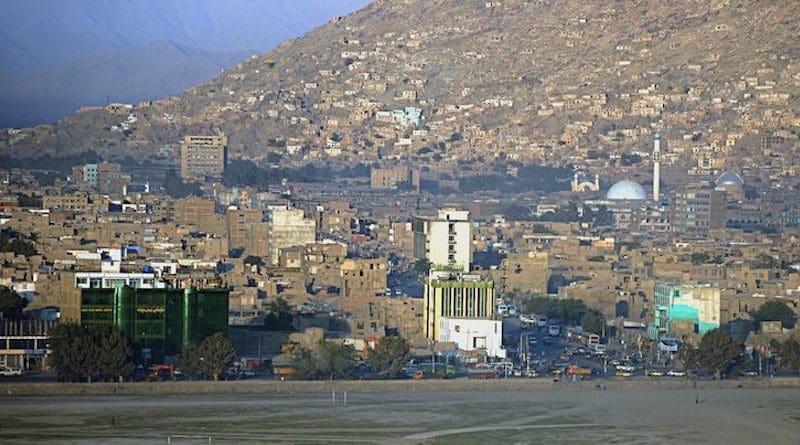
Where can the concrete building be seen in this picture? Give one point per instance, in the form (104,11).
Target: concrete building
(193,209)
(362,280)
(203,157)
(445,239)
(696,211)
(289,228)
(163,321)
(526,272)
(684,310)
(388,178)
(473,335)
(238,222)
(451,293)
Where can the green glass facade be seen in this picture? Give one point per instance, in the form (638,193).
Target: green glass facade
(164,320)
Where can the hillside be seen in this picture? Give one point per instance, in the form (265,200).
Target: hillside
(535,81)
(51,66)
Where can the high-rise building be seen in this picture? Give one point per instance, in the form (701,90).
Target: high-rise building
(239,221)
(444,240)
(203,157)
(698,210)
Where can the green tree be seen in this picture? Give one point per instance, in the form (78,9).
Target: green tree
(719,351)
(571,309)
(689,355)
(252,259)
(389,356)
(74,352)
(421,266)
(304,362)
(336,360)
(216,353)
(776,310)
(279,315)
(789,354)
(176,188)
(113,360)
(11,303)
(593,322)
(543,305)
(190,363)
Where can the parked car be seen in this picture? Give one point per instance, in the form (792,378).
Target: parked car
(10,372)
(676,373)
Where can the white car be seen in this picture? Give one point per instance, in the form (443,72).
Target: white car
(674,373)
(10,372)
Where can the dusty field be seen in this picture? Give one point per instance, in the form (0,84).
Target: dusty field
(553,416)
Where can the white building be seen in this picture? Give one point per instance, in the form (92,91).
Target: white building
(289,228)
(473,334)
(105,280)
(445,239)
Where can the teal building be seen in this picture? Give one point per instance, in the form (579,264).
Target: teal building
(682,310)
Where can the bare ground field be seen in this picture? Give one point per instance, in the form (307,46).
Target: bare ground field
(554,416)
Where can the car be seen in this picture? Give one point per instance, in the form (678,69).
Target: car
(749,373)
(654,373)
(624,374)
(676,373)
(10,372)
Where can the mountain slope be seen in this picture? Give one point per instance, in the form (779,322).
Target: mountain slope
(532,80)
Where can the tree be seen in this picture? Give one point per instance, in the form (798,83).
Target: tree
(789,354)
(190,363)
(216,353)
(113,350)
(176,188)
(689,355)
(336,360)
(542,305)
(252,259)
(74,352)
(776,310)
(304,363)
(421,266)
(571,309)
(11,303)
(593,322)
(279,316)
(389,356)
(719,351)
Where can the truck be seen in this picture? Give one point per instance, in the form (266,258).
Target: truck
(579,371)
(554,330)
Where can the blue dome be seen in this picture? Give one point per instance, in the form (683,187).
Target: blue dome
(626,191)
(730,178)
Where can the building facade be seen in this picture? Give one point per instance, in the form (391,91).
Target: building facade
(684,310)
(203,157)
(163,321)
(451,293)
(289,228)
(696,211)
(445,239)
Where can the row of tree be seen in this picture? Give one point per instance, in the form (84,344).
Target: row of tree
(334,360)
(720,353)
(570,310)
(84,353)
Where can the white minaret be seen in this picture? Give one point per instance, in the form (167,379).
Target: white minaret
(656,167)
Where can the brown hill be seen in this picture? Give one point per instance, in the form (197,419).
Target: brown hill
(543,81)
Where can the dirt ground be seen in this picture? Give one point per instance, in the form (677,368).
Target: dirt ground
(575,416)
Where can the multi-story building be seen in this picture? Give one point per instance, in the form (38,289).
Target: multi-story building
(444,240)
(453,294)
(698,210)
(526,272)
(203,157)
(162,321)
(388,178)
(684,310)
(362,280)
(238,221)
(289,228)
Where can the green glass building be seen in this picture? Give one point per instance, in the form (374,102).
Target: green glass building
(163,320)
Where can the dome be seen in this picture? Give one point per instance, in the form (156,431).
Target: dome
(626,191)
(729,178)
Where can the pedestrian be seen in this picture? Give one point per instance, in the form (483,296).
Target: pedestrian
(696,399)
